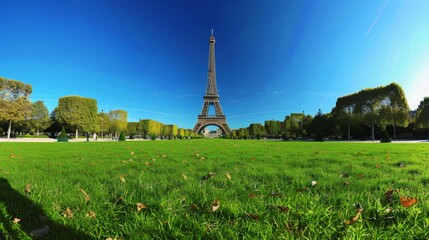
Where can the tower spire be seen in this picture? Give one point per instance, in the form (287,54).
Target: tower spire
(211,98)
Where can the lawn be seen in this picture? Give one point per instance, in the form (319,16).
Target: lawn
(214,189)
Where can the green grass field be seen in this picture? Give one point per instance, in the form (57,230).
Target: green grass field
(264,190)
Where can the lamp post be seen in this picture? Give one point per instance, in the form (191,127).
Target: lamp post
(102,124)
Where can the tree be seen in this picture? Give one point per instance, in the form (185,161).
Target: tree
(345,112)
(395,107)
(104,123)
(272,127)
(422,114)
(119,120)
(14,103)
(77,113)
(39,116)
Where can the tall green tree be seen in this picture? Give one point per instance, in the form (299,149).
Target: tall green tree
(77,113)
(39,116)
(272,127)
(345,112)
(395,109)
(422,114)
(14,101)
(119,121)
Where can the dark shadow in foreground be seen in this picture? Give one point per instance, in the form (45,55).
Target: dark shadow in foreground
(32,215)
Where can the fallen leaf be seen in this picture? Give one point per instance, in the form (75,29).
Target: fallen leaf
(313,183)
(132,153)
(90,214)
(377,165)
(12,155)
(253,216)
(283,209)
(122,178)
(68,213)
(387,158)
(16,220)
(407,202)
(27,189)
(276,194)
(163,155)
(228,176)
(215,205)
(346,183)
(140,206)
(355,218)
(87,198)
(40,232)
(389,195)
(184,176)
(252,195)
(148,163)
(208,176)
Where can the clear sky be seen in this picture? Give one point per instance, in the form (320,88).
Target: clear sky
(272,57)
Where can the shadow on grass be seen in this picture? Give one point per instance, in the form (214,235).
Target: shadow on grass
(32,217)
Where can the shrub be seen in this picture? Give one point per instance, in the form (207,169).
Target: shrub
(63,137)
(153,137)
(385,140)
(122,136)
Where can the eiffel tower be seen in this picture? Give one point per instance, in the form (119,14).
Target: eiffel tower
(211,98)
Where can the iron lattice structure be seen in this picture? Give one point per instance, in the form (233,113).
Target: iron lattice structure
(211,98)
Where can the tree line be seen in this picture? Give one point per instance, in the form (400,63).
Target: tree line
(362,115)
(76,114)
(377,111)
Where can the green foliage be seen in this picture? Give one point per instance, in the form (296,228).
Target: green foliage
(169,130)
(422,114)
(272,128)
(63,136)
(77,113)
(119,120)
(152,127)
(153,136)
(14,103)
(39,116)
(122,136)
(256,130)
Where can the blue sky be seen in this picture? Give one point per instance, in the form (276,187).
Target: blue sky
(272,57)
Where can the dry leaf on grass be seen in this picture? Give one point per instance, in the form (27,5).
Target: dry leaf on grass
(313,183)
(346,183)
(16,220)
(132,153)
(122,178)
(27,189)
(389,195)
(140,206)
(87,198)
(90,214)
(215,205)
(252,195)
(253,216)
(276,194)
(40,232)
(208,176)
(68,213)
(283,209)
(355,218)
(228,176)
(407,202)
